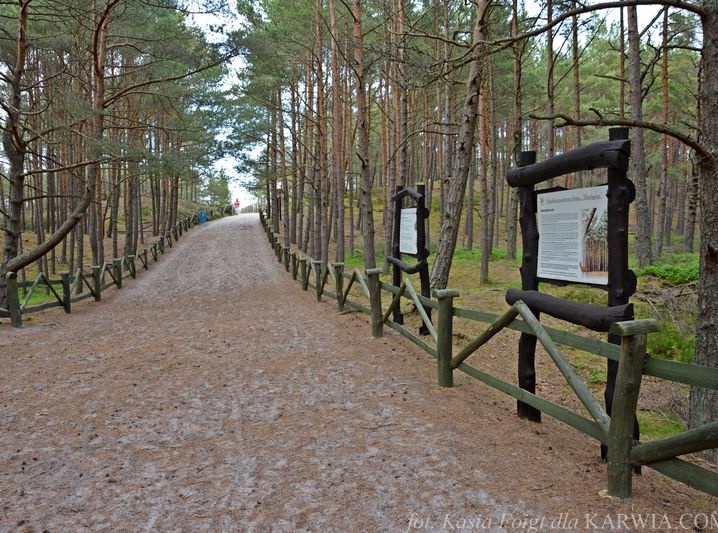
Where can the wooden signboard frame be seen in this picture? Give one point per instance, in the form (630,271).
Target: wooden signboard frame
(612,155)
(422,254)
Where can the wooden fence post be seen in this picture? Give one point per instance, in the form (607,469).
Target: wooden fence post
(377,322)
(97,278)
(162,245)
(117,267)
(317,269)
(445,334)
(286,258)
(339,284)
(293,259)
(145,263)
(66,292)
(634,337)
(303,273)
(131,266)
(13,300)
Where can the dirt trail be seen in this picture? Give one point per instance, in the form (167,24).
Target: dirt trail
(212,394)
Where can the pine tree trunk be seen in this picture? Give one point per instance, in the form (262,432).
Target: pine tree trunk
(324,181)
(365,205)
(577,182)
(517,131)
(665,142)
(704,402)
(337,136)
(638,164)
(449,225)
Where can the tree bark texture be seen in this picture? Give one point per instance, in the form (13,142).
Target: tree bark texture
(704,402)
(450,219)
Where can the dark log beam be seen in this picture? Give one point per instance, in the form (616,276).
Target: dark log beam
(603,154)
(593,317)
(407,191)
(405,267)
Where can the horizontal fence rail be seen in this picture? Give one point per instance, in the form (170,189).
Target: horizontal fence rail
(362,292)
(70,289)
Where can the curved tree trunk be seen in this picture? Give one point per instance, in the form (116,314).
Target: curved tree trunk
(450,219)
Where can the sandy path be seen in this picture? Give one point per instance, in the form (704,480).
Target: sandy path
(212,394)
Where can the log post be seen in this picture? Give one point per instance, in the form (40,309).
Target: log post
(144,256)
(377,324)
(303,273)
(317,269)
(445,333)
(339,284)
(286,258)
(422,253)
(396,276)
(97,279)
(66,292)
(621,280)
(132,266)
(13,300)
(529,281)
(117,267)
(293,261)
(162,245)
(633,335)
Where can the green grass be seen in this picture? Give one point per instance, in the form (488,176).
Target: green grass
(356,260)
(592,367)
(578,293)
(671,344)
(464,257)
(655,425)
(41,294)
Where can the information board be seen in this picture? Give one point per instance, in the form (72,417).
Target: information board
(407,231)
(573,238)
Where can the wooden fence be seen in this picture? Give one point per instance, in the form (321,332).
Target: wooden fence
(364,292)
(70,288)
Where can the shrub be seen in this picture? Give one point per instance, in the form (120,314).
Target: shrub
(675,269)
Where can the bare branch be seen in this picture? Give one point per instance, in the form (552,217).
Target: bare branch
(689,141)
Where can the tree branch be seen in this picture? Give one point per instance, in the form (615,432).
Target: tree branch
(689,141)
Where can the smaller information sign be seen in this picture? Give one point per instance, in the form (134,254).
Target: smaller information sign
(407,231)
(573,239)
